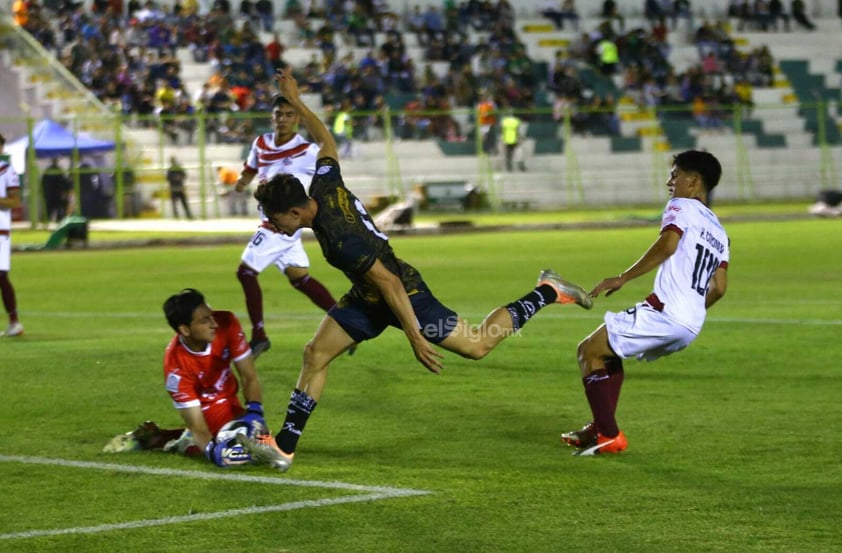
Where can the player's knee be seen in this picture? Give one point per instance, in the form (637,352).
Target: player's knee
(584,356)
(245,273)
(475,350)
(314,356)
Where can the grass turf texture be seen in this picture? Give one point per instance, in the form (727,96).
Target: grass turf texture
(732,442)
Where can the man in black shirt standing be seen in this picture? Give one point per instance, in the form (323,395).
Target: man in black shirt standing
(385,290)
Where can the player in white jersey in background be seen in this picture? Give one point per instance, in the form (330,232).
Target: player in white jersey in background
(691,255)
(281,151)
(9,200)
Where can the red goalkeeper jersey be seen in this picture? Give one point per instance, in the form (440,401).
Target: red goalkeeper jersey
(205,378)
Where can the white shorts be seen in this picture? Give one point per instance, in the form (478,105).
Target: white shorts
(5,252)
(267,247)
(645,333)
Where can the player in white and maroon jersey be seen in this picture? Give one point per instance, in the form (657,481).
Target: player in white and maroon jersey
(9,200)
(691,255)
(281,151)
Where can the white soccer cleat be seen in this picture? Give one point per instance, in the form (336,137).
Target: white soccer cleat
(14,329)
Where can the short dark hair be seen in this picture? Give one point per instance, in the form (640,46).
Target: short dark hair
(2,139)
(703,163)
(179,307)
(280,194)
(280,101)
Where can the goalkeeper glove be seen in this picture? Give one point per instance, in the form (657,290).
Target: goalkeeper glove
(254,419)
(226,453)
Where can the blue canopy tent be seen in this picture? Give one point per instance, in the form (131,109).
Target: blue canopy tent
(51,139)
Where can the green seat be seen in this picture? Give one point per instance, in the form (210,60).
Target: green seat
(626,144)
(771,140)
(545,146)
(543,129)
(466,148)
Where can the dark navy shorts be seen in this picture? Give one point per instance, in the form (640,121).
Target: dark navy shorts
(364,321)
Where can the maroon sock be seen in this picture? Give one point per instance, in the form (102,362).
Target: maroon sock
(314,290)
(615,379)
(8,293)
(598,391)
(254,300)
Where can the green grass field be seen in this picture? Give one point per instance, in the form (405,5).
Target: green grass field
(733,443)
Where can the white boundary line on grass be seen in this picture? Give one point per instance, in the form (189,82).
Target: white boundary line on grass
(375,493)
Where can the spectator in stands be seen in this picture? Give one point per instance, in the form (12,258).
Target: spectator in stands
(610,12)
(776,12)
(360,26)
(559,13)
(20,12)
(682,8)
(275,52)
(704,115)
(415,24)
(744,95)
(742,10)
(433,23)
(652,10)
(799,14)
(487,119)
(265,11)
(762,15)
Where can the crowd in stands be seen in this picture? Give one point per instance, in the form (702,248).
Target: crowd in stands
(126,55)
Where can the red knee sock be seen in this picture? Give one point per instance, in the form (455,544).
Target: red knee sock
(8,294)
(314,290)
(598,390)
(254,300)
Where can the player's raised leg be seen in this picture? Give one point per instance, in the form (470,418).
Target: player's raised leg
(475,342)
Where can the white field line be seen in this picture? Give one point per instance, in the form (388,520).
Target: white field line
(375,493)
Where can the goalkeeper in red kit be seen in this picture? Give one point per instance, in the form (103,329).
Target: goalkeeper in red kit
(199,378)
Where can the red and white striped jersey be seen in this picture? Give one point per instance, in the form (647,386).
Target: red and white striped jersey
(295,157)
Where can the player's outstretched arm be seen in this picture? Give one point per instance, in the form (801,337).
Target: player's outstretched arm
(658,252)
(317,129)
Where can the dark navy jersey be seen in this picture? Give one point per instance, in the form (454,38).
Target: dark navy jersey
(349,239)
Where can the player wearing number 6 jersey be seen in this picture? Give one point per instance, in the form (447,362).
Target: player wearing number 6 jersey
(385,290)
(691,255)
(281,151)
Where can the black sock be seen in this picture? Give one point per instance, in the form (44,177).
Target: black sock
(523,309)
(298,411)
